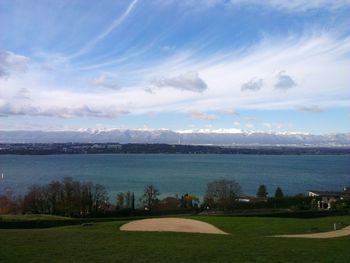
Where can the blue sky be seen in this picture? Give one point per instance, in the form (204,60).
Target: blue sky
(279,66)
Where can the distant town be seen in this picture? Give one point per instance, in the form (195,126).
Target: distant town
(102,148)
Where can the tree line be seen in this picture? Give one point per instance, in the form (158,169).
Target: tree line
(69,197)
(72,198)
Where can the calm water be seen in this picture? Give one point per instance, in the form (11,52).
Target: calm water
(178,174)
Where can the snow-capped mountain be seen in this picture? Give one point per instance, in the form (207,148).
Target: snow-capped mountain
(215,137)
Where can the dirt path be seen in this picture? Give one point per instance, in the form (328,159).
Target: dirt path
(331,234)
(171,225)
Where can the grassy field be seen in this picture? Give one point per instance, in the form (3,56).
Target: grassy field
(249,242)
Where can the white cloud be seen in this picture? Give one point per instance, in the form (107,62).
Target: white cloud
(203,116)
(284,81)
(236,123)
(252,85)
(189,81)
(11,62)
(311,60)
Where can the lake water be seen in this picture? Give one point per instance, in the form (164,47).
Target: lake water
(179,173)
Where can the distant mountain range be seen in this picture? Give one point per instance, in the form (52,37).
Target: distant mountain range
(191,137)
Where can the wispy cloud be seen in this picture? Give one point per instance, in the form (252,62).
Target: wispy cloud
(308,60)
(301,59)
(290,6)
(159,70)
(115,24)
(281,5)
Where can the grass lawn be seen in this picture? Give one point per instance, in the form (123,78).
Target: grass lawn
(248,242)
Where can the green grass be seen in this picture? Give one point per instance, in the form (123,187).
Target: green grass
(249,242)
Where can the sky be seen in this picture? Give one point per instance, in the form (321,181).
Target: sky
(272,66)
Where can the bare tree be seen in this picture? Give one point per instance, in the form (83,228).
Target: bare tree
(120,200)
(68,197)
(34,200)
(99,197)
(150,195)
(222,193)
(132,201)
(86,198)
(128,199)
(54,194)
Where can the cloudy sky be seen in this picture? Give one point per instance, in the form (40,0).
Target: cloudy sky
(217,64)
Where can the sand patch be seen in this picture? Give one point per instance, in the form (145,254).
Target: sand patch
(331,234)
(172,225)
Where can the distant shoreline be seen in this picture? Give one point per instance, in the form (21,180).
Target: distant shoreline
(142,148)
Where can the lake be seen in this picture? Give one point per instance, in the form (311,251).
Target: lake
(179,173)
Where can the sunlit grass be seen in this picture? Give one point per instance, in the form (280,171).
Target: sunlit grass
(249,241)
